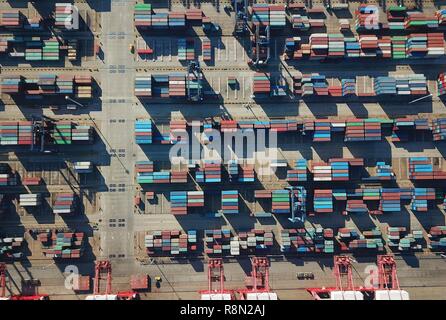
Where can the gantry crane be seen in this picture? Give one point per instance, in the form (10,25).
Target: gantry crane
(3,296)
(257,284)
(389,286)
(216,275)
(194,84)
(102,267)
(388,278)
(103,271)
(39,134)
(3,281)
(298,206)
(241,16)
(345,288)
(343,269)
(261,48)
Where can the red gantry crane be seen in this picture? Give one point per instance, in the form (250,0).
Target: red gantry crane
(343,273)
(103,271)
(3,296)
(257,284)
(216,274)
(345,288)
(389,286)
(3,282)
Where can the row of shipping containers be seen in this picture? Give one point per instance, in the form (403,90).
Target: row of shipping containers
(145,17)
(170,242)
(224,242)
(354,129)
(11,247)
(64,203)
(399,18)
(322,46)
(293,241)
(79,86)
(21,133)
(65,17)
(336,169)
(180,201)
(67,133)
(386,199)
(316,84)
(64,245)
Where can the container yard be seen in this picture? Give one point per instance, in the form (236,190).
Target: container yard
(222,150)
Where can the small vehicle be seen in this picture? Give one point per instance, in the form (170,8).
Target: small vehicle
(211,27)
(309,275)
(305,275)
(158,281)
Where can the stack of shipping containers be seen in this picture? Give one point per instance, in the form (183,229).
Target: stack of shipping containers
(177,85)
(177,20)
(65,203)
(229,201)
(160,20)
(143,131)
(64,245)
(246,173)
(206,50)
(261,84)
(11,84)
(280,201)
(83,86)
(437,237)
(30,200)
(420,198)
(390,200)
(11,247)
(217,240)
(439,129)
(323,201)
(260,14)
(299,171)
(143,86)
(210,172)
(170,242)
(143,15)
(310,240)
(64,16)
(82,134)
(277,16)
(10,18)
(144,172)
(178,202)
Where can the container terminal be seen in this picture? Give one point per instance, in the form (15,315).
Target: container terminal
(96,95)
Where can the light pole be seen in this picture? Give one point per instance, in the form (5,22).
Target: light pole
(74,101)
(422,98)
